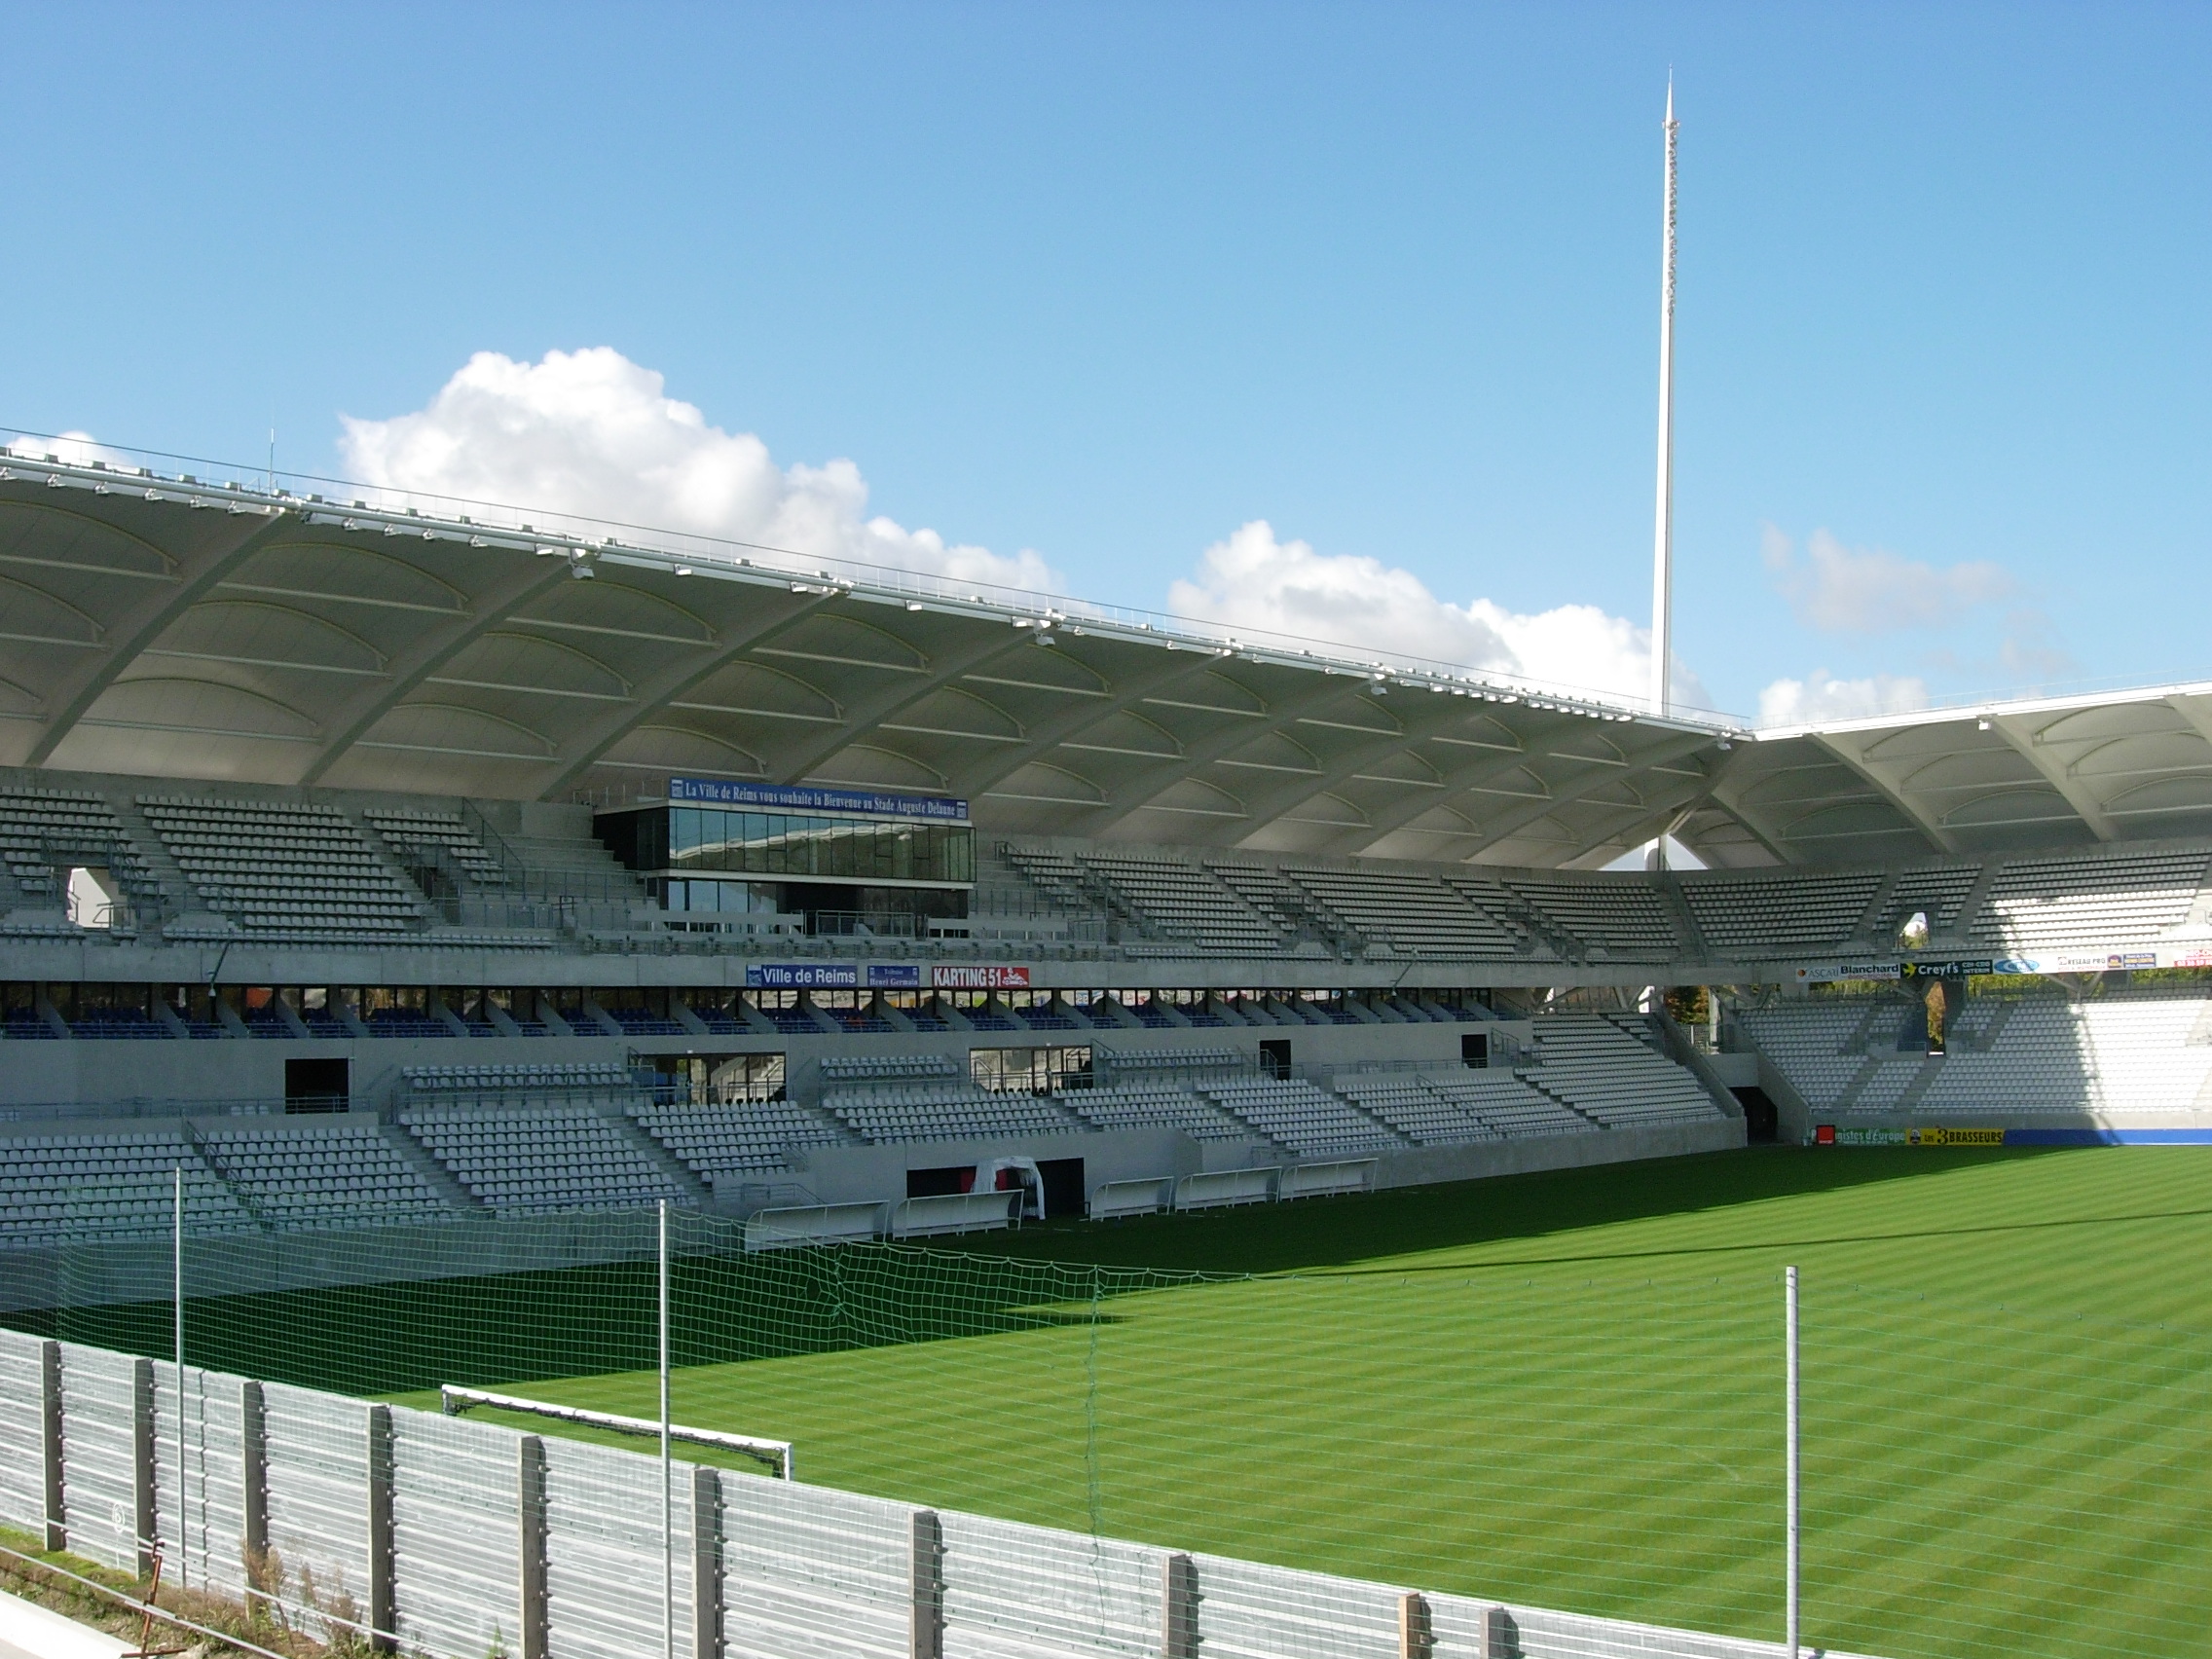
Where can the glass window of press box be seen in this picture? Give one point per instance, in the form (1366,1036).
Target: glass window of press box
(682,839)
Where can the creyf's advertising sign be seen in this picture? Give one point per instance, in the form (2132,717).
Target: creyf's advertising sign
(964,976)
(1953,968)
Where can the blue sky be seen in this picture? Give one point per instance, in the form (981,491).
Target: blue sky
(1109,284)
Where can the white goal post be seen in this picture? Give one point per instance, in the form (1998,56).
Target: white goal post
(776,1453)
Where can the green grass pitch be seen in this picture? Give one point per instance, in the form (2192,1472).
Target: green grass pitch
(1564,1390)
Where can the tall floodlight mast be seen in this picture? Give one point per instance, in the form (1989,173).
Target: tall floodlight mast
(1663,532)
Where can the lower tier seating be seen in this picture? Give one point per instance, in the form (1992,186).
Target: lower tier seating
(922,1112)
(75,1188)
(744,1138)
(523,1159)
(299,1178)
(1302,1115)
(1594,1065)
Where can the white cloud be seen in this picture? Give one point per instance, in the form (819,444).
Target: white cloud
(71,449)
(590,433)
(593,434)
(1253,580)
(1866,590)
(1820,697)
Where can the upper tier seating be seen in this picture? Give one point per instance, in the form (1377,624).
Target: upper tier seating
(1935,894)
(1305,1117)
(285,868)
(341,1174)
(36,825)
(1056,875)
(1620,918)
(1185,902)
(924,1112)
(889,1068)
(2054,904)
(1780,914)
(553,1156)
(415,831)
(1266,891)
(73,1187)
(743,1138)
(1618,1080)
(1156,1105)
(1413,915)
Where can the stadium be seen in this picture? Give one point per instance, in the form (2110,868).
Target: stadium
(449,951)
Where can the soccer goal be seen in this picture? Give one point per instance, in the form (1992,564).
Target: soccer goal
(774,1453)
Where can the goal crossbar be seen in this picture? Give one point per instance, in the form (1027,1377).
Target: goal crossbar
(776,1453)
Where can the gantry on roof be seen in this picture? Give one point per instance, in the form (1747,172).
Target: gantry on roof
(154,625)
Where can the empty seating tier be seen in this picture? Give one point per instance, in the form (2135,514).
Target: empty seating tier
(2127,1050)
(1156,1105)
(282,867)
(415,831)
(299,1178)
(68,1189)
(1508,1105)
(1621,918)
(2054,904)
(1593,1064)
(737,1139)
(1405,1101)
(1412,915)
(1935,894)
(40,826)
(923,1112)
(1185,903)
(540,1157)
(1779,915)
(1305,1117)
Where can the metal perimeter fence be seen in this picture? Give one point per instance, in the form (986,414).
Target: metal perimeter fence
(1402,1459)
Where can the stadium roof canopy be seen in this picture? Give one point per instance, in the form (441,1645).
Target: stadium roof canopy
(177,627)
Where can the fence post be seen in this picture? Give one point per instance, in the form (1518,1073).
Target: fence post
(253,1484)
(1178,1607)
(1414,1635)
(530,1517)
(50,1435)
(143,1519)
(928,1579)
(1789,1450)
(382,1597)
(1501,1636)
(706,1562)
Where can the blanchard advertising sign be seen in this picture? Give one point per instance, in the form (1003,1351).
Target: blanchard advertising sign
(1828,973)
(797,797)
